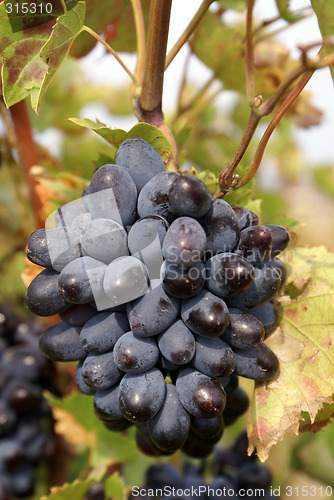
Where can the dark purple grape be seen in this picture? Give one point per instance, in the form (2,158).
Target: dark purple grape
(140,159)
(153,198)
(80,383)
(183,282)
(265,286)
(100,371)
(43,297)
(146,445)
(135,354)
(112,195)
(24,362)
(244,217)
(36,448)
(145,240)
(153,313)
(66,214)
(21,395)
(255,244)
(8,419)
(277,268)
(78,314)
(244,330)
(177,344)
(38,250)
(61,342)
(253,476)
(201,396)
(126,278)
(162,474)
(237,404)
(185,242)
(63,245)
(104,240)
(117,425)
(205,314)
(81,280)
(268,317)
(22,480)
(228,274)
(101,332)
(106,404)
(95,492)
(205,440)
(207,429)
(255,218)
(221,227)
(213,357)
(259,363)
(169,428)
(196,450)
(280,237)
(6,492)
(141,395)
(189,195)
(230,383)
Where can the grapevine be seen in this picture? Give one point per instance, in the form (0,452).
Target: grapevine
(178,306)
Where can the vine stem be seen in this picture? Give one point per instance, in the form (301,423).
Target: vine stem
(226,175)
(141,38)
(28,155)
(148,105)
(188,31)
(111,51)
(287,103)
(155,56)
(259,110)
(250,68)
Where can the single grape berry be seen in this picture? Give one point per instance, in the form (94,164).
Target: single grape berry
(189,195)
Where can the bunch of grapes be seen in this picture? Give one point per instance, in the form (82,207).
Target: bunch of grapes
(163,294)
(236,476)
(25,417)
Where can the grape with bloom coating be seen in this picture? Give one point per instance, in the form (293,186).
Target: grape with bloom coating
(205,314)
(189,195)
(185,242)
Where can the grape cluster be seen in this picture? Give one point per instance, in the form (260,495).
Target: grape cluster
(25,418)
(164,297)
(235,475)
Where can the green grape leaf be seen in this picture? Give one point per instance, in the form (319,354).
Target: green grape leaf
(115,137)
(78,424)
(210,179)
(222,49)
(114,488)
(285,12)
(303,343)
(324,11)
(323,417)
(32,55)
(113,18)
(213,38)
(73,491)
(154,136)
